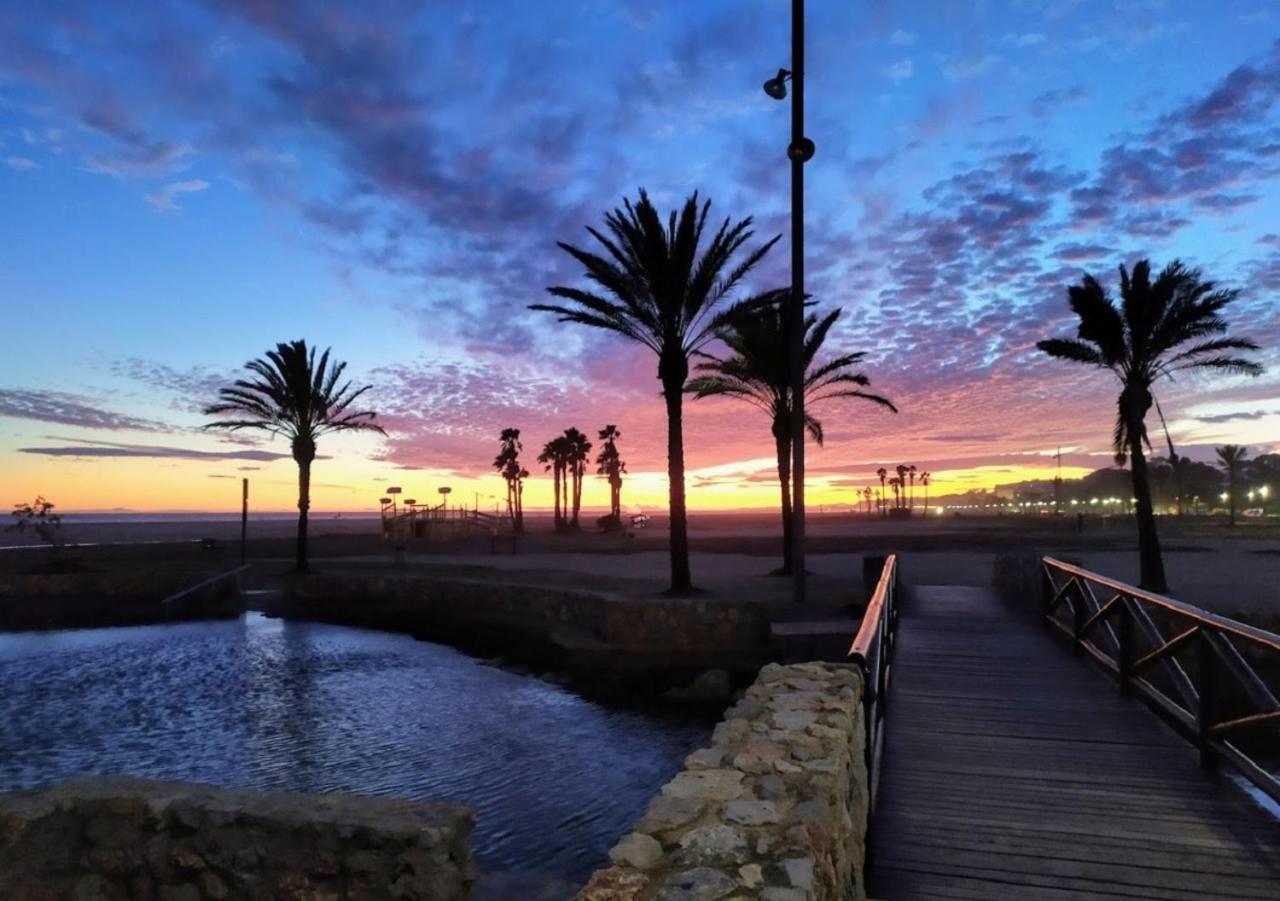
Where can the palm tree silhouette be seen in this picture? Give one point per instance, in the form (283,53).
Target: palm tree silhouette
(1231,459)
(555,457)
(896,484)
(508,464)
(657,284)
(1139,342)
(866,494)
(911,473)
(925,478)
(292,394)
(610,465)
(900,502)
(758,371)
(577,453)
(882,472)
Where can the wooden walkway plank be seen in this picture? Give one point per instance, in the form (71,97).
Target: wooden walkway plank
(1012,771)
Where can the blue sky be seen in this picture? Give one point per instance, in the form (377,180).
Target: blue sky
(184,184)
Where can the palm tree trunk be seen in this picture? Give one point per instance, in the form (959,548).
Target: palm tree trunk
(673,393)
(1231,494)
(1151,564)
(555,475)
(783,444)
(304,504)
(519,524)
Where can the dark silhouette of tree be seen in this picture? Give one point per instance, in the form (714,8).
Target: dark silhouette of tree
(578,452)
(508,464)
(658,285)
(882,472)
(867,494)
(900,498)
(758,371)
(38,518)
(1140,341)
(911,474)
(292,394)
(1231,458)
(610,465)
(925,478)
(555,457)
(896,484)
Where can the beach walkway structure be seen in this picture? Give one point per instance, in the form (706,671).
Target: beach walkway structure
(1005,766)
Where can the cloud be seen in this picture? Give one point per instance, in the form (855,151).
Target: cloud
(70,409)
(1050,102)
(111,449)
(1230,417)
(20,163)
(899,71)
(165,198)
(146,159)
(902,38)
(1080,253)
(964,69)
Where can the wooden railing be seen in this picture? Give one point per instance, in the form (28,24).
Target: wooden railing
(872,652)
(1213,678)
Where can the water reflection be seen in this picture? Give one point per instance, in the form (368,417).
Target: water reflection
(554,778)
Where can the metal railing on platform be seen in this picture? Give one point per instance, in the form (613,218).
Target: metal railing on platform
(872,652)
(212,580)
(1213,678)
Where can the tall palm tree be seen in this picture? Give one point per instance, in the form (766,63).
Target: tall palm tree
(508,465)
(911,473)
(1231,459)
(292,394)
(901,502)
(578,451)
(555,458)
(1141,341)
(882,472)
(657,284)
(758,371)
(896,484)
(609,464)
(925,478)
(866,494)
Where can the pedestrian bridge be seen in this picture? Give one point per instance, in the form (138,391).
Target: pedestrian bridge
(1103,743)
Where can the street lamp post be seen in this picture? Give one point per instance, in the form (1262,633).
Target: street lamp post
(800,151)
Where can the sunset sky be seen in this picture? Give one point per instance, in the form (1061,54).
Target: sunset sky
(184,184)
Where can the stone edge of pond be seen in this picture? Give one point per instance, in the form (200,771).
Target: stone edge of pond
(573,630)
(120,837)
(774,809)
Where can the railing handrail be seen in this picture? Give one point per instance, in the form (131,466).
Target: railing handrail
(1182,608)
(207,582)
(1121,635)
(860,649)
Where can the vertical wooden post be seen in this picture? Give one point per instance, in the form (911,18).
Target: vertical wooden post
(1124,635)
(1206,678)
(1078,617)
(244,521)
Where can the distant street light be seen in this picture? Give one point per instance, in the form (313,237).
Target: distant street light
(799,151)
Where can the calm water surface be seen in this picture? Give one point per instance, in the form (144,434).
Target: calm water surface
(258,702)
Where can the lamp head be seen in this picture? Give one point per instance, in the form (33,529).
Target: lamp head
(776,87)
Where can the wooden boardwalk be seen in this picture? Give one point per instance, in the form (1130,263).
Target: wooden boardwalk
(1013,770)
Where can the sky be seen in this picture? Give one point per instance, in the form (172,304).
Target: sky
(184,184)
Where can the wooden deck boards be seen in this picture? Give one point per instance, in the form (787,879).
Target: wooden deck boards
(1013,770)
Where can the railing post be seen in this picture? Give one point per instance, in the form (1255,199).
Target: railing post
(1206,678)
(1046,588)
(1078,616)
(1124,636)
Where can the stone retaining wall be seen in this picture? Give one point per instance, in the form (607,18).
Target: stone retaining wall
(112,839)
(614,632)
(775,809)
(87,600)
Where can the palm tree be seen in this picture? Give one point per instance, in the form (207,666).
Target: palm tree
(866,494)
(911,472)
(758,371)
(1140,341)
(578,451)
(609,464)
(882,472)
(508,464)
(555,457)
(925,478)
(1231,459)
(656,284)
(292,394)
(901,502)
(896,483)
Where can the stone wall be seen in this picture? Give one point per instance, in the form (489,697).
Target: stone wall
(576,626)
(775,809)
(112,839)
(87,600)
